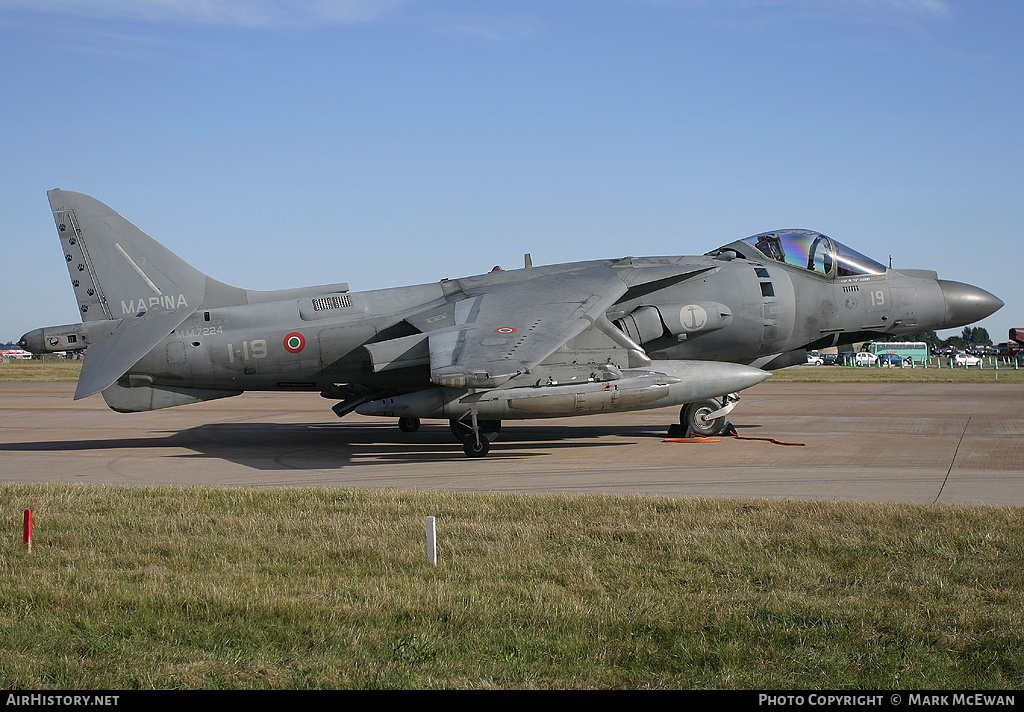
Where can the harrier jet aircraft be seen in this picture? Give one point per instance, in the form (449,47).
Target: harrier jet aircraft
(546,341)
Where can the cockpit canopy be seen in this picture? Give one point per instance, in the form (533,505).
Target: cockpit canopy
(808,250)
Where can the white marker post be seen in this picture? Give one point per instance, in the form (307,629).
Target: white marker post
(431,542)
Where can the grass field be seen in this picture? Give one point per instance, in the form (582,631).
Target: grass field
(40,371)
(864,374)
(129,588)
(202,588)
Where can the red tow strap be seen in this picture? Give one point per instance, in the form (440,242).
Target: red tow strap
(730,429)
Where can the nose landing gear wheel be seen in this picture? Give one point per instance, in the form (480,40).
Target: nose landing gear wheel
(693,417)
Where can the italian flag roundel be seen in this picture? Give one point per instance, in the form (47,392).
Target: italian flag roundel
(294,343)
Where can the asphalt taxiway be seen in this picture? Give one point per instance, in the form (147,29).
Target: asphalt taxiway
(921,443)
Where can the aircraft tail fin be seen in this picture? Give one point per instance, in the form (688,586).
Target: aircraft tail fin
(124,277)
(116,269)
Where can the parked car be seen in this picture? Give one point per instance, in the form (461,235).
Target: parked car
(864,358)
(965,360)
(893,360)
(815,359)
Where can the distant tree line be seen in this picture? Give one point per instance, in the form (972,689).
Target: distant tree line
(970,337)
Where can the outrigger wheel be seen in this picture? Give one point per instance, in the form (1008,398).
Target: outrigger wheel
(408,425)
(476,435)
(476,448)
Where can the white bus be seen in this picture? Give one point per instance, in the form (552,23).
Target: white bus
(917,350)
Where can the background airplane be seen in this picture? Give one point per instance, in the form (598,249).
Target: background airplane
(545,341)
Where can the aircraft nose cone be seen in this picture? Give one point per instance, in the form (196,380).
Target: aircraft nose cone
(966,304)
(32,341)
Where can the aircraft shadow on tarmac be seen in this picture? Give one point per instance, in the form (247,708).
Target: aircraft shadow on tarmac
(277,446)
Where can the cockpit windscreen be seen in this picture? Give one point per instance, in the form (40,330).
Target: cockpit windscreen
(813,251)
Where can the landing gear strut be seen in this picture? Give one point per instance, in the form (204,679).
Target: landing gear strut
(463,431)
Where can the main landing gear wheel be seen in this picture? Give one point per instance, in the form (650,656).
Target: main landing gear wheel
(408,425)
(693,417)
(463,431)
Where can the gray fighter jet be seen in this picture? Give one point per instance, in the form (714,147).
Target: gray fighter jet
(538,342)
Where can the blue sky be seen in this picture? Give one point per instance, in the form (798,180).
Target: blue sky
(278,144)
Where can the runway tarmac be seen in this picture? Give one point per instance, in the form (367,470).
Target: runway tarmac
(922,443)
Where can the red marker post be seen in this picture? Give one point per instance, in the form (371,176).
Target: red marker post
(28,529)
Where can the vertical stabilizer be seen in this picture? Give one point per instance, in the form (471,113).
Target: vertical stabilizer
(124,277)
(116,269)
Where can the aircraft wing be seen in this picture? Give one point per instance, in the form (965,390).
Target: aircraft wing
(495,328)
